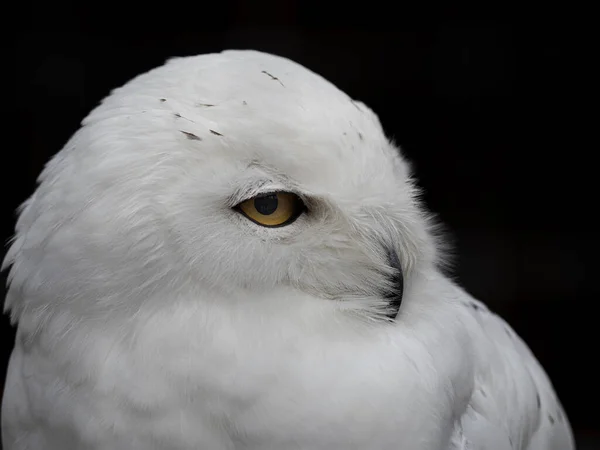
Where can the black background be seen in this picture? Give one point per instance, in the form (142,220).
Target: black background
(489,107)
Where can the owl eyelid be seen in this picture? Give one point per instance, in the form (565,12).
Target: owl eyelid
(249,191)
(269,193)
(265,193)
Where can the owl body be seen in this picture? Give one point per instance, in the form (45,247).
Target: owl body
(170,295)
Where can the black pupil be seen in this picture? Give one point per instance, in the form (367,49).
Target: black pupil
(266,205)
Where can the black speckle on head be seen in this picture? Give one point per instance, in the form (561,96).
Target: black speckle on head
(215,132)
(360,136)
(190,136)
(538,400)
(177,115)
(551,419)
(274,78)
(162,100)
(204,105)
(475,306)
(244,102)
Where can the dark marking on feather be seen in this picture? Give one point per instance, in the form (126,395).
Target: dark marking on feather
(177,115)
(483,393)
(538,400)
(191,136)
(162,100)
(244,102)
(475,306)
(551,419)
(215,132)
(356,105)
(204,105)
(274,78)
(360,136)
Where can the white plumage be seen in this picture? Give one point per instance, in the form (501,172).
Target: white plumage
(153,314)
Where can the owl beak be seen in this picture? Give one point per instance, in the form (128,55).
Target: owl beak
(394,294)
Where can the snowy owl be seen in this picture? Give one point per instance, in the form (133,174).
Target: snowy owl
(229,254)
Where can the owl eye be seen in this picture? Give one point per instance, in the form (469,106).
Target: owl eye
(272,209)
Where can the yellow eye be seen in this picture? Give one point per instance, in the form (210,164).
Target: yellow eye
(273,209)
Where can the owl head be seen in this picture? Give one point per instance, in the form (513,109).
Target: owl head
(230,177)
